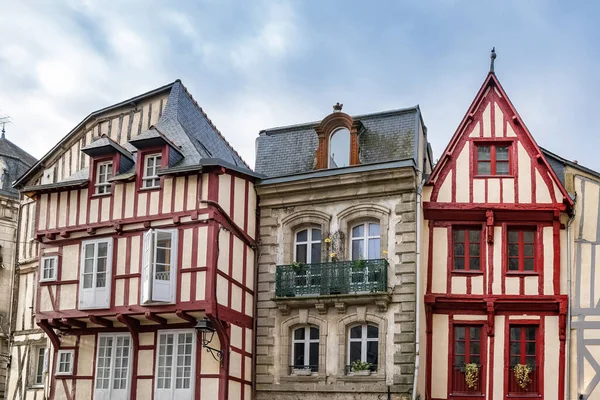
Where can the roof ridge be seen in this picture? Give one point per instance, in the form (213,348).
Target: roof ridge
(213,125)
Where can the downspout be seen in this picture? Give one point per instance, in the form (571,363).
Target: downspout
(568,340)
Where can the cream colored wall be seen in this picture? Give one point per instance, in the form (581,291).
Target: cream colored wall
(499,343)
(439,357)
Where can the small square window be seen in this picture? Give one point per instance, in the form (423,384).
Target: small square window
(493,159)
(152,163)
(521,250)
(467,249)
(48,267)
(103,174)
(65,362)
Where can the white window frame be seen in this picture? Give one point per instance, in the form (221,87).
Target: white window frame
(309,242)
(151,181)
(171,393)
(53,260)
(101,296)
(363,341)
(307,342)
(103,186)
(149,283)
(36,365)
(112,393)
(365,238)
(70,363)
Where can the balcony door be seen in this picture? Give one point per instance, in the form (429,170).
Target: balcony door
(307,251)
(467,361)
(365,243)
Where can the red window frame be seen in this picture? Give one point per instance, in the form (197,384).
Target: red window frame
(141,163)
(466,256)
(526,238)
(492,161)
(94,164)
(457,370)
(518,349)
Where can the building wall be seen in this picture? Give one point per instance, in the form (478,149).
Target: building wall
(334,204)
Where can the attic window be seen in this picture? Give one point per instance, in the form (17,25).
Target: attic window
(152,164)
(339,148)
(104,172)
(493,159)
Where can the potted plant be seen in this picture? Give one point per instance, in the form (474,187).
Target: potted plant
(359,264)
(301,371)
(522,372)
(361,368)
(471,375)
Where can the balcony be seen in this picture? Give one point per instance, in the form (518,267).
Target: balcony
(334,283)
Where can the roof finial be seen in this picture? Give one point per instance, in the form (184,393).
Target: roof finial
(492,57)
(337,107)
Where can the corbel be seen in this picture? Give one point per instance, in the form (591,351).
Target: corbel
(340,307)
(321,308)
(284,309)
(50,333)
(562,320)
(118,228)
(91,231)
(489,215)
(176,219)
(147,224)
(64,234)
(490,308)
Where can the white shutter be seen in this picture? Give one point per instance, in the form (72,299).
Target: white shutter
(147,268)
(164,265)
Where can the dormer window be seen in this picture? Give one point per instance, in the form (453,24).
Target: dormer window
(152,163)
(339,148)
(104,171)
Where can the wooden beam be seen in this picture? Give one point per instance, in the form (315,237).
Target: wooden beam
(155,318)
(45,326)
(73,323)
(57,324)
(185,316)
(132,324)
(100,321)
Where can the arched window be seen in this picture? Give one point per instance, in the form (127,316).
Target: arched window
(305,349)
(308,246)
(339,148)
(363,345)
(365,241)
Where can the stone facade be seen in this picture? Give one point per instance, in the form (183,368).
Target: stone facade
(334,201)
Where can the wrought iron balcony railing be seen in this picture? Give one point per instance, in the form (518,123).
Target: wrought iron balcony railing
(333,278)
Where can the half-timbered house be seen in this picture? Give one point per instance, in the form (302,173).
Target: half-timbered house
(141,275)
(494,258)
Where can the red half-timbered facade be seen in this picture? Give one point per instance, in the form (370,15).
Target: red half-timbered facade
(495,287)
(136,248)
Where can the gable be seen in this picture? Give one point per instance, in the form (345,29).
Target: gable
(493,159)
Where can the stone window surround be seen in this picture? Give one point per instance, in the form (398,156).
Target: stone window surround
(300,220)
(289,325)
(360,213)
(361,317)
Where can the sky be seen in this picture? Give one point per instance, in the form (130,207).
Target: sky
(253,65)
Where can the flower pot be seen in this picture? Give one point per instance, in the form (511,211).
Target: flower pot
(301,372)
(365,372)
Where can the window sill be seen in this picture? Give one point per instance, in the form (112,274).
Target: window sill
(528,396)
(465,272)
(94,195)
(148,189)
(520,273)
(299,378)
(492,176)
(36,386)
(467,395)
(368,378)
(48,281)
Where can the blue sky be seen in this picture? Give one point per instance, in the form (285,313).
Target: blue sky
(259,64)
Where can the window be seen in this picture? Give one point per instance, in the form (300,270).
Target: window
(305,348)
(103,173)
(65,362)
(521,250)
(308,246)
(40,365)
(365,242)
(339,148)
(523,351)
(493,160)
(467,245)
(152,163)
(363,345)
(113,367)
(175,365)
(96,261)
(49,265)
(160,261)
(467,350)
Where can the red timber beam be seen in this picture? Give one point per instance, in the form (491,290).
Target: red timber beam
(101,321)
(185,316)
(133,326)
(45,326)
(150,316)
(73,323)
(58,324)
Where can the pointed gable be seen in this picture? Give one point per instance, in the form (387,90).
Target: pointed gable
(493,159)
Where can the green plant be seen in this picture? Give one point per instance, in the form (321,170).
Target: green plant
(360,366)
(471,375)
(298,267)
(522,372)
(359,264)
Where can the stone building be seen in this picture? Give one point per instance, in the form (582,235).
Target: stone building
(337,256)
(13,163)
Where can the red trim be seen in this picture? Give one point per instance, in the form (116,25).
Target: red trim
(493,144)
(468,325)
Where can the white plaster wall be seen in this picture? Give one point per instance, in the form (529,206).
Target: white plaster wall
(439,357)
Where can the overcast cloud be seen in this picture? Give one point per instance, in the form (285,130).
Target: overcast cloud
(257,64)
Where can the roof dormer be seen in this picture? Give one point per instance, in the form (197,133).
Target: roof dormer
(338,140)
(107,159)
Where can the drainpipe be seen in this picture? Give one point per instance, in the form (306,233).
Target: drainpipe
(568,340)
(418,285)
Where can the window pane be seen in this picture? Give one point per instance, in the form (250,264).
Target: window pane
(373,229)
(302,236)
(459,360)
(313,354)
(459,263)
(459,249)
(530,348)
(474,333)
(515,348)
(459,236)
(530,333)
(315,253)
(513,236)
(356,332)
(373,249)
(89,251)
(102,249)
(316,235)
(372,331)
(357,249)
(314,333)
(339,148)
(483,168)
(474,250)
(514,361)
(474,236)
(513,264)
(474,348)
(301,253)
(528,250)
(87,281)
(530,360)
(355,351)
(474,264)
(299,353)
(515,333)
(299,334)
(528,236)
(372,349)
(483,153)
(513,250)
(358,231)
(459,333)
(502,153)
(528,264)
(502,168)
(475,359)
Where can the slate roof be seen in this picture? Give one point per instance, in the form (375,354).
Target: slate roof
(183,123)
(386,136)
(17,161)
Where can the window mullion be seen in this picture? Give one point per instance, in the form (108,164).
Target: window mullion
(175,353)
(113,361)
(363,346)
(306,345)
(493,160)
(467,345)
(523,347)
(94,266)
(467,250)
(521,252)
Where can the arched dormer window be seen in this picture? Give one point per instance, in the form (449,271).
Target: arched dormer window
(339,148)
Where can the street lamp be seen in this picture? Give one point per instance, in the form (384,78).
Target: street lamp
(208,332)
